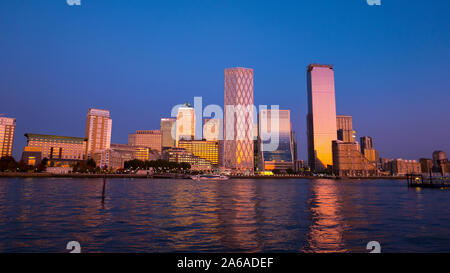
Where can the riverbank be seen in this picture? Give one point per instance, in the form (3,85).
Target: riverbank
(180,176)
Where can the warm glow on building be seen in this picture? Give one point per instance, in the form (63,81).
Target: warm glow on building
(146,138)
(60,149)
(185,123)
(208,150)
(98,131)
(238,120)
(168,128)
(7,129)
(321,118)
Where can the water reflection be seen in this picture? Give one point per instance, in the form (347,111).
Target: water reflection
(139,215)
(326,230)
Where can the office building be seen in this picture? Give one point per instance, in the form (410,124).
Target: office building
(180,155)
(61,151)
(208,150)
(348,160)
(275,126)
(7,130)
(98,131)
(32,156)
(368,150)
(185,123)
(146,138)
(321,118)
(344,125)
(168,132)
(238,120)
(108,159)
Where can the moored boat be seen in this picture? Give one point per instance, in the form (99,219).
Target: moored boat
(210,177)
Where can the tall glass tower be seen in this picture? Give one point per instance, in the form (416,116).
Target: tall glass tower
(321,118)
(238,120)
(276,139)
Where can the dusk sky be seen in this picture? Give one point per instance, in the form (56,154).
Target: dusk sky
(140,58)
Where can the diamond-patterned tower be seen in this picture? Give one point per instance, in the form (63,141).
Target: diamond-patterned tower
(238,120)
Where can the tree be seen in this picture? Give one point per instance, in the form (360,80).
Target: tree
(8,163)
(276,171)
(43,165)
(290,171)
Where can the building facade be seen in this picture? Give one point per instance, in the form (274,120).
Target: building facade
(344,125)
(61,151)
(348,160)
(275,126)
(7,130)
(168,132)
(185,123)
(321,118)
(238,120)
(180,155)
(208,150)
(108,159)
(401,167)
(98,131)
(146,138)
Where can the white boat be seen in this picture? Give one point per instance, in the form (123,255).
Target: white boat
(209,177)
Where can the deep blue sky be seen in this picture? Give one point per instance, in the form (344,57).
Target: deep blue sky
(139,58)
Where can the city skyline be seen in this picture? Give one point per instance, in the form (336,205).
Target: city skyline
(380,78)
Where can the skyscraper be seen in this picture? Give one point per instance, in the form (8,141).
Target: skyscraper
(185,123)
(7,129)
(168,128)
(279,155)
(238,120)
(321,118)
(344,126)
(98,131)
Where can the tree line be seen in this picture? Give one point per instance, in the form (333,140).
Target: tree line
(9,164)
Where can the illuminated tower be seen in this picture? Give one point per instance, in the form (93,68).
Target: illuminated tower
(238,120)
(98,131)
(185,123)
(321,118)
(7,129)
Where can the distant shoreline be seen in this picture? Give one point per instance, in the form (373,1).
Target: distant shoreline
(156,176)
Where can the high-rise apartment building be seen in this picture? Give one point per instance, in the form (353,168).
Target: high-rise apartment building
(321,118)
(98,131)
(7,129)
(212,130)
(146,138)
(344,125)
(168,132)
(185,123)
(275,131)
(238,120)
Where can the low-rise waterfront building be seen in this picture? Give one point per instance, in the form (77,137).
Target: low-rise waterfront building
(180,155)
(208,150)
(348,160)
(61,151)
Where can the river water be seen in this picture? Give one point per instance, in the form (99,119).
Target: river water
(298,215)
